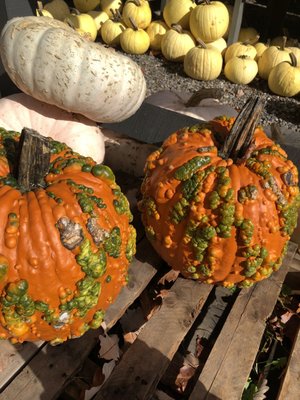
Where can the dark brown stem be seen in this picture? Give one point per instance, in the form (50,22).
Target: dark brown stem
(251,41)
(293,59)
(33,159)
(201,43)
(284,39)
(116,15)
(134,25)
(40,8)
(74,11)
(240,137)
(177,28)
(201,94)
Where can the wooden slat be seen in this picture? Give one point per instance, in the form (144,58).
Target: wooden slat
(144,363)
(50,370)
(290,388)
(230,361)
(14,357)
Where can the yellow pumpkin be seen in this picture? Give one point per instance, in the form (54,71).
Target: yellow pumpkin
(271,57)
(241,70)
(83,23)
(59,9)
(111,31)
(178,12)
(240,49)
(176,43)
(209,21)
(111,7)
(284,78)
(139,11)
(99,17)
(219,44)
(86,5)
(248,35)
(156,31)
(134,40)
(203,63)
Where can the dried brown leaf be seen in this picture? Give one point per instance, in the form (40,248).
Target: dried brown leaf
(170,276)
(109,347)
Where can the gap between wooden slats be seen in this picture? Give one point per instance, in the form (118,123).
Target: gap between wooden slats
(144,363)
(290,389)
(230,361)
(46,374)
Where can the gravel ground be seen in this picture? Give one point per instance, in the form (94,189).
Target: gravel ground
(163,75)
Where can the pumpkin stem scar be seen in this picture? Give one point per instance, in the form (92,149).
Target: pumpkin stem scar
(238,140)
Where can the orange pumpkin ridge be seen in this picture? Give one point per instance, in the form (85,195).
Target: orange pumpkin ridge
(64,249)
(216,220)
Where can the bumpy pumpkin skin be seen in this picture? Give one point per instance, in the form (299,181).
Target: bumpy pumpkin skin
(216,221)
(52,289)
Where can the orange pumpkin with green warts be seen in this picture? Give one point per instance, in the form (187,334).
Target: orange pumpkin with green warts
(66,239)
(220,207)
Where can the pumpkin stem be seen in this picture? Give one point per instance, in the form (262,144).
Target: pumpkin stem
(134,25)
(33,159)
(39,8)
(205,93)
(201,43)
(251,41)
(116,15)
(283,44)
(293,59)
(239,138)
(74,11)
(177,28)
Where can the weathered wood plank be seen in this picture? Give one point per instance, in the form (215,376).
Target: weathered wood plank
(50,370)
(144,363)
(290,388)
(13,357)
(230,361)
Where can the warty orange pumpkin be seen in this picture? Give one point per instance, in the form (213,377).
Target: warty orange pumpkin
(219,209)
(65,240)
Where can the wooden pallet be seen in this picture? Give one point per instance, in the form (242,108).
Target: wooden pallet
(40,371)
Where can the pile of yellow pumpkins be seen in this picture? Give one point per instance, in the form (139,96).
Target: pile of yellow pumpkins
(188,32)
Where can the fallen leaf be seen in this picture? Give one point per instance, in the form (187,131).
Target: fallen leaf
(286,317)
(170,276)
(186,372)
(109,347)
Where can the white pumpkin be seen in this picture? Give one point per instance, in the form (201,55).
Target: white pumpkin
(81,134)
(70,72)
(126,154)
(194,105)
